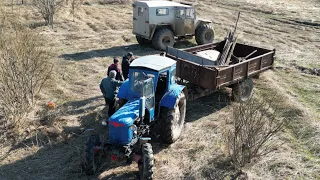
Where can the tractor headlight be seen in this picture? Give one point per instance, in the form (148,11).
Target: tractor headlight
(133,127)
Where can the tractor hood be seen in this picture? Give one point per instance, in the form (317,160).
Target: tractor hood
(127,113)
(119,122)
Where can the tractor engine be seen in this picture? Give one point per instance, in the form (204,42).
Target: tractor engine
(120,132)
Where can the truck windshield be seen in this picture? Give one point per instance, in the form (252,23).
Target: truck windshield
(137,81)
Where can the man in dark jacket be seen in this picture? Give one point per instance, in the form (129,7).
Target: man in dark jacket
(109,87)
(126,60)
(115,67)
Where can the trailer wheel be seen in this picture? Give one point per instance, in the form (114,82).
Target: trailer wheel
(163,38)
(172,120)
(204,34)
(91,157)
(242,91)
(146,162)
(142,41)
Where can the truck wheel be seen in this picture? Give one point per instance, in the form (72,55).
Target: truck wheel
(204,34)
(90,161)
(163,38)
(142,41)
(242,91)
(146,162)
(172,120)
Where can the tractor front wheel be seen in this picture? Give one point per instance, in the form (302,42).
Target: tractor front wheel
(163,38)
(172,120)
(146,162)
(204,34)
(91,154)
(242,91)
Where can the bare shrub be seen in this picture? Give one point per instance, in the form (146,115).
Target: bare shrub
(254,125)
(24,68)
(75,4)
(48,8)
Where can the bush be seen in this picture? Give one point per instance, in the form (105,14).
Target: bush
(24,69)
(75,4)
(254,125)
(48,8)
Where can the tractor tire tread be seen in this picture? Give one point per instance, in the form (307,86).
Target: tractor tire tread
(168,119)
(147,153)
(237,88)
(89,164)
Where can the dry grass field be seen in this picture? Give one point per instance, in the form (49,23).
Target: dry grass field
(85,47)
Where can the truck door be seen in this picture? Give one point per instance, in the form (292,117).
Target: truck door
(179,21)
(189,21)
(140,15)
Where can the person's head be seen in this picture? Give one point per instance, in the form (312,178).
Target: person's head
(112,74)
(130,55)
(115,61)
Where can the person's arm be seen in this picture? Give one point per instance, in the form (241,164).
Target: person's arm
(108,70)
(120,75)
(101,88)
(117,83)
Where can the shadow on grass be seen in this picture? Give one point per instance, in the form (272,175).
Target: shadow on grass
(207,105)
(118,51)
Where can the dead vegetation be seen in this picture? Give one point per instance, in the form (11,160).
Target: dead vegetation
(24,68)
(254,125)
(48,8)
(84,47)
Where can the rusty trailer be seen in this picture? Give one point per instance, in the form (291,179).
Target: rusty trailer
(247,61)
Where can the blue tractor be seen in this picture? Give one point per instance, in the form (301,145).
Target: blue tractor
(150,95)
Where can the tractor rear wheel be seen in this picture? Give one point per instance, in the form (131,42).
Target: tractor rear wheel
(162,38)
(172,120)
(242,91)
(91,157)
(146,162)
(142,41)
(204,34)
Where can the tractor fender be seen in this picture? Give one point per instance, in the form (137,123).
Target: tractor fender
(170,97)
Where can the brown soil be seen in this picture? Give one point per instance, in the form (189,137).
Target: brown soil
(85,47)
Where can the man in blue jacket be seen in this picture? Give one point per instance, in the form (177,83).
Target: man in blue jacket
(109,88)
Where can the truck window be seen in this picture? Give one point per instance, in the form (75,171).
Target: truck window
(180,14)
(162,11)
(190,13)
(140,11)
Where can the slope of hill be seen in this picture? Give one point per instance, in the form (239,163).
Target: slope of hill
(85,47)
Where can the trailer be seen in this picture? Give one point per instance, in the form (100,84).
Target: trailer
(156,92)
(198,69)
